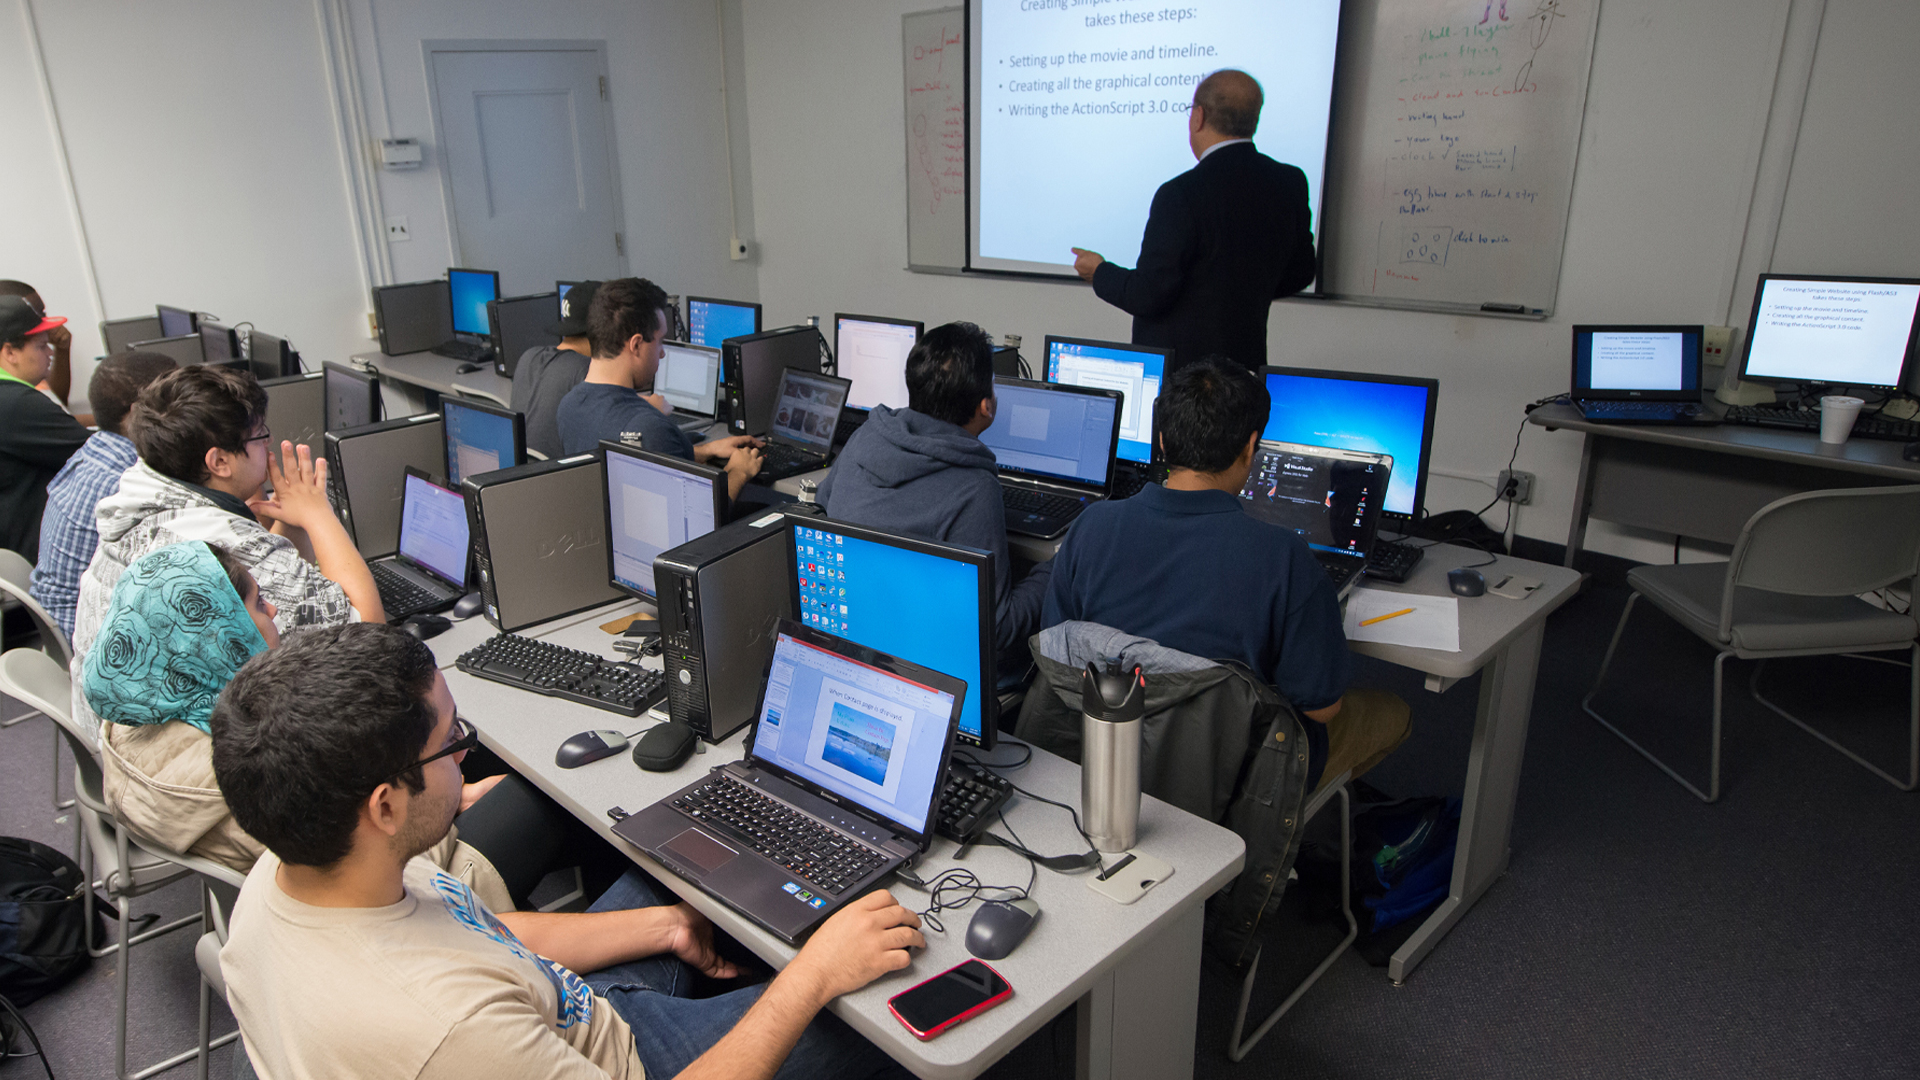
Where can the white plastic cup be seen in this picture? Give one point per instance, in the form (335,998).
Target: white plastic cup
(1837,414)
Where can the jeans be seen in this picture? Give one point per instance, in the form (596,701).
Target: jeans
(670,1029)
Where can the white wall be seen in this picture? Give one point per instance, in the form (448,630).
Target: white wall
(1676,110)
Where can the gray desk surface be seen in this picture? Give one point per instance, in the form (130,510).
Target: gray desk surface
(1877,456)
(1487,623)
(434,372)
(1080,937)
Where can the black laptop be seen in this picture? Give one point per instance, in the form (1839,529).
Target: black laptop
(1054,446)
(806,410)
(430,572)
(1330,497)
(1639,375)
(838,788)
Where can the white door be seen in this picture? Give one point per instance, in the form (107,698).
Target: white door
(526,155)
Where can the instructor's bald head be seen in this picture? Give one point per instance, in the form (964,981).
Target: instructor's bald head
(1229,102)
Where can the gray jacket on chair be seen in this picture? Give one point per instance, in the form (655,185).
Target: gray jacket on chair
(1216,741)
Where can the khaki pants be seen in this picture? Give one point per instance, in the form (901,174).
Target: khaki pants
(1370,725)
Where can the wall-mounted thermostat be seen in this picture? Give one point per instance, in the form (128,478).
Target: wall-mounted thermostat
(400,153)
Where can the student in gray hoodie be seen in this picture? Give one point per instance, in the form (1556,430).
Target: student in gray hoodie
(922,471)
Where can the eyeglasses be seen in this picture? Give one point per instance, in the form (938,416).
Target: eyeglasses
(465,738)
(265,436)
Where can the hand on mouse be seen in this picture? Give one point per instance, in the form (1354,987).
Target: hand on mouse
(861,942)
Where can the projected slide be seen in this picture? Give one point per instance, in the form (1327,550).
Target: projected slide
(1079,112)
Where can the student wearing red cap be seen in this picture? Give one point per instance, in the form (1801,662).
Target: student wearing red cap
(36,437)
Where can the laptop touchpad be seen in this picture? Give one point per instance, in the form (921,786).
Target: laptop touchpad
(700,850)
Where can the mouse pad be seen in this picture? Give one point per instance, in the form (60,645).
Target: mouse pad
(619,625)
(1133,880)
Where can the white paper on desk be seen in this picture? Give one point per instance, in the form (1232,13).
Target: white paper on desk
(1434,622)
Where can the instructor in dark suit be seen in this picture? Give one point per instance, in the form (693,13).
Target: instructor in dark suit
(1224,239)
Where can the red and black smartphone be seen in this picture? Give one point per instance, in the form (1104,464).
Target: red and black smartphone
(957,994)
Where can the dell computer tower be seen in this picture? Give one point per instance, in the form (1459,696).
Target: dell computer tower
(718,598)
(752,367)
(540,540)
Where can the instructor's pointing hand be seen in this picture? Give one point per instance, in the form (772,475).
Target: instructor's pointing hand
(1084,262)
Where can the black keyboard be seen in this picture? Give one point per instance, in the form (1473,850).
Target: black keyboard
(784,461)
(1390,561)
(401,597)
(1127,483)
(557,671)
(968,802)
(825,857)
(472,352)
(1804,419)
(1039,503)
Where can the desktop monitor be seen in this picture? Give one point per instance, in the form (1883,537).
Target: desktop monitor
(176,322)
(270,357)
(1135,370)
(519,323)
(710,321)
(562,288)
(187,350)
(118,335)
(927,603)
(655,503)
(353,397)
(470,291)
(1841,331)
(1346,410)
(218,345)
(481,438)
(413,317)
(872,352)
(689,377)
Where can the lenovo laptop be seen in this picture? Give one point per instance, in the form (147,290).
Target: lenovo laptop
(1638,374)
(430,572)
(806,410)
(838,788)
(1054,445)
(1330,497)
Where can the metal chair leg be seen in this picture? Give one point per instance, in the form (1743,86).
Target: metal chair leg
(1712,794)
(55,788)
(1913,724)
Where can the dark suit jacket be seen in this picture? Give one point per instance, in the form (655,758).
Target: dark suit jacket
(1224,240)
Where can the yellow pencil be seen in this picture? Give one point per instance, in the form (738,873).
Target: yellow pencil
(1384,618)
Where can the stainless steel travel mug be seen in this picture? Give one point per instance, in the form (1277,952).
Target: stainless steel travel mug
(1111,705)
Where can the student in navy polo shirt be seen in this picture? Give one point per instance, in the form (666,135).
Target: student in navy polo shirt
(1183,564)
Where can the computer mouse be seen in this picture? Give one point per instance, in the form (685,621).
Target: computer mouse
(999,927)
(423,627)
(664,747)
(469,605)
(1466,581)
(466,369)
(589,746)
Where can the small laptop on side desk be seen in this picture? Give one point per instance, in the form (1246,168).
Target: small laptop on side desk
(1331,498)
(1639,375)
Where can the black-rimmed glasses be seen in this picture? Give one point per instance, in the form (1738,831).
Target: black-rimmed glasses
(465,737)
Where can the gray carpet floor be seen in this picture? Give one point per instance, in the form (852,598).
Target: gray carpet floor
(1638,932)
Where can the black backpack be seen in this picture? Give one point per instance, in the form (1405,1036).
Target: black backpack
(43,931)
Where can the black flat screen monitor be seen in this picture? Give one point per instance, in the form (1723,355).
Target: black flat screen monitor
(186,350)
(1137,371)
(470,291)
(1839,331)
(414,317)
(176,322)
(1347,410)
(218,344)
(270,357)
(481,438)
(655,503)
(519,323)
(353,397)
(710,321)
(871,350)
(926,603)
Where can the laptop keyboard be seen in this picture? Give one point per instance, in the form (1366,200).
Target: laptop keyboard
(1390,561)
(832,860)
(784,458)
(557,671)
(1033,503)
(1640,410)
(399,596)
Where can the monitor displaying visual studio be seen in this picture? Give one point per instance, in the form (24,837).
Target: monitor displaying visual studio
(471,291)
(710,321)
(1052,433)
(1135,370)
(926,603)
(655,503)
(689,377)
(872,351)
(1380,414)
(434,529)
(353,397)
(481,438)
(1842,331)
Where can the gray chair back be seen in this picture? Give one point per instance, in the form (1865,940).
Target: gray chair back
(16,578)
(1839,542)
(35,678)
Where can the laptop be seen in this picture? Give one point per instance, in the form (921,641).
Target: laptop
(689,378)
(1054,445)
(1330,497)
(430,571)
(1639,375)
(806,411)
(838,788)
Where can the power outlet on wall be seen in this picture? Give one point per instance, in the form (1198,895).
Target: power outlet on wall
(397,228)
(1716,344)
(1516,486)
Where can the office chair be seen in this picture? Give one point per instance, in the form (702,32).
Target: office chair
(126,868)
(16,576)
(1792,588)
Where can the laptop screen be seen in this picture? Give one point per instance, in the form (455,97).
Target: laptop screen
(689,377)
(653,507)
(1133,370)
(1051,433)
(1331,498)
(433,528)
(1651,363)
(868,736)
(808,409)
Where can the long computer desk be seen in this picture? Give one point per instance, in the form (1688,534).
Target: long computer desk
(431,371)
(1705,482)
(1133,970)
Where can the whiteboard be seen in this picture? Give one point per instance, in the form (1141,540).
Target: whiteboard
(1457,130)
(934,68)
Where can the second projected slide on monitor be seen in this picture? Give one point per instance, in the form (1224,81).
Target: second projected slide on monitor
(1637,361)
(1839,332)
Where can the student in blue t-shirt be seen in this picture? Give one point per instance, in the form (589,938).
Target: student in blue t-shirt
(1183,564)
(626,325)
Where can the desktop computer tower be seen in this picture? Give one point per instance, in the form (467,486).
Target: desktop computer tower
(297,410)
(718,597)
(367,473)
(752,366)
(540,540)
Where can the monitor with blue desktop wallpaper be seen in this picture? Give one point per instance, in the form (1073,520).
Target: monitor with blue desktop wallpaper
(1135,370)
(471,292)
(710,321)
(1380,414)
(481,438)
